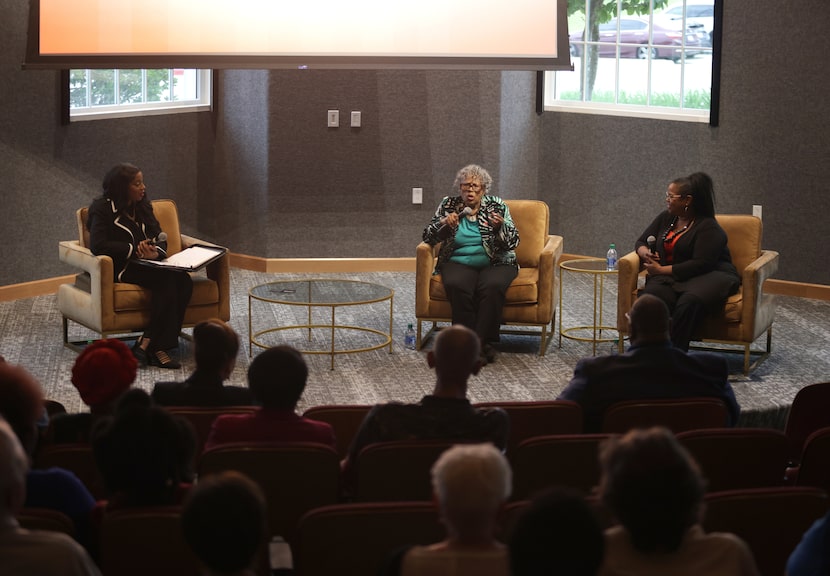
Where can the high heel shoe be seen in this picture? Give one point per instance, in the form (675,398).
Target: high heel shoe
(162,359)
(140,353)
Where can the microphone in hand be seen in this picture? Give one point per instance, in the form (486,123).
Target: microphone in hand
(652,244)
(162,237)
(446,227)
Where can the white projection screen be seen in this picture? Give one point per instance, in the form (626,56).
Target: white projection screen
(459,34)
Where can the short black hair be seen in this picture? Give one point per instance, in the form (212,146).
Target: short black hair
(224,521)
(277,377)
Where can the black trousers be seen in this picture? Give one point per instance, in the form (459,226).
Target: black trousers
(477,296)
(690,301)
(171,291)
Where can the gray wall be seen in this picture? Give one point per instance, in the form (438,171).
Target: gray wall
(264,176)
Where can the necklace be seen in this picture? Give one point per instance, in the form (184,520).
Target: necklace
(671,230)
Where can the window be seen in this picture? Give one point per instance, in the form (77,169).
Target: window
(97,94)
(637,58)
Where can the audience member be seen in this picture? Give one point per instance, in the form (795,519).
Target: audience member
(811,556)
(651,368)
(277,378)
(101,373)
(21,404)
(224,523)
(471,483)
(557,534)
(654,488)
(22,551)
(144,454)
(446,414)
(215,346)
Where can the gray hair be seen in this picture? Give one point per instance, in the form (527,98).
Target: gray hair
(472,477)
(474,171)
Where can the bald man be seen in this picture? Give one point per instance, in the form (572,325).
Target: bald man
(446,414)
(652,368)
(25,551)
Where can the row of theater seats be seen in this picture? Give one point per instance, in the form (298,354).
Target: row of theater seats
(355,538)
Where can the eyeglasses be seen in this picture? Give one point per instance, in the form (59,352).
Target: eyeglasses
(470,186)
(673,196)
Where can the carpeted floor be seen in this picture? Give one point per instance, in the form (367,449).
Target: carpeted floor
(30,335)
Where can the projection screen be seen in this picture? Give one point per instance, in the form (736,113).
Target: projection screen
(460,34)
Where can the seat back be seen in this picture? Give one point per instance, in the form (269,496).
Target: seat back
(388,471)
(202,417)
(532,219)
(558,460)
(294,476)
(141,541)
(166,213)
(770,520)
(46,519)
(732,458)
(78,459)
(808,413)
(357,538)
(744,233)
(814,468)
(538,418)
(345,419)
(676,414)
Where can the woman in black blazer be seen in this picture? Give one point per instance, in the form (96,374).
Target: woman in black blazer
(122,226)
(687,261)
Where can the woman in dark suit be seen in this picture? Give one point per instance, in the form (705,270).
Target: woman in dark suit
(687,261)
(122,226)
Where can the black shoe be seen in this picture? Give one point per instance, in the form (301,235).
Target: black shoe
(162,359)
(140,354)
(489,353)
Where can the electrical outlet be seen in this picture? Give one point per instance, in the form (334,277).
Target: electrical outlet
(355,119)
(417,195)
(333,119)
(757,210)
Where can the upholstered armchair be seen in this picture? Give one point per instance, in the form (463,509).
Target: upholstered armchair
(95,301)
(747,314)
(531,298)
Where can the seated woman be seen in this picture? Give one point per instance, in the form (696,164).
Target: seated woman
(101,373)
(122,226)
(654,488)
(477,259)
(686,258)
(471,483)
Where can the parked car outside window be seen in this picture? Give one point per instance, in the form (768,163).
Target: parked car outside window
(667,38)
(697,13)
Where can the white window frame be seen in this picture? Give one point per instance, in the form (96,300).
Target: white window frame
(204,78)
(627,110)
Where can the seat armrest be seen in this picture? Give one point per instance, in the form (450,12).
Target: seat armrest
(628,268)
(752,282)
(219,271)
(424,265)
(100,270)
(548,268)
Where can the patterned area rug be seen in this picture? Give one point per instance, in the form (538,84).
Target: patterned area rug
(30,334)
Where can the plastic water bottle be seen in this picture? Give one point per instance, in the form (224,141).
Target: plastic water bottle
(409,337)
(611,257)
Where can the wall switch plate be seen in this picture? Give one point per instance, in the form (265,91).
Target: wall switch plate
(757,210)
(355,119)
(333,119)
(417,195)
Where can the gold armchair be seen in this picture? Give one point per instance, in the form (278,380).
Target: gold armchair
(747,314)
(531,298)
(95,301)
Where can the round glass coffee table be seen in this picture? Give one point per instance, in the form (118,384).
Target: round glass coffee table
(329,293)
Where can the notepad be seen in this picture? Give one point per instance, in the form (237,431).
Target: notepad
(190,259)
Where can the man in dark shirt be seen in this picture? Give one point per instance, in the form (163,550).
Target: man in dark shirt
(215,347)
(651,369)
(446,414)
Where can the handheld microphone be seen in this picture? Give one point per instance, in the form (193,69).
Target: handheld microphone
(162,237)
(652,244)
(446,227)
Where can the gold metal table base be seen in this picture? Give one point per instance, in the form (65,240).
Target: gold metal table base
(595,267)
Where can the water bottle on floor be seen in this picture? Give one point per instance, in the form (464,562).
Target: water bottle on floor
(611,257)
(409,337)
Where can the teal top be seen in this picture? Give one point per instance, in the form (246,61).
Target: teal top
(469,249)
